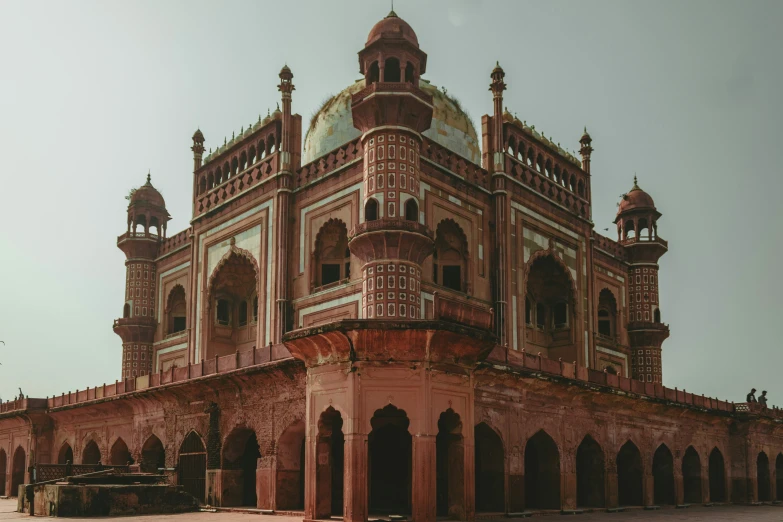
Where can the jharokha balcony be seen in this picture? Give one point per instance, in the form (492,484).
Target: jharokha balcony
(391,238)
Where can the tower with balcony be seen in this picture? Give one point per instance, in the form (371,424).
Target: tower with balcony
(147,220)
(637,230)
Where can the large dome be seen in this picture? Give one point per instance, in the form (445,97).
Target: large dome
(332,125)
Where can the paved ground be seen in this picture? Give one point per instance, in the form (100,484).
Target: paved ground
(693,514)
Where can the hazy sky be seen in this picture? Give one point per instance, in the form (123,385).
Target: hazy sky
(687,94)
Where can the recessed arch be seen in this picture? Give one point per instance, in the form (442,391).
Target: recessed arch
(779,476)
(451,258)
(91,453)
(240,455)
(291,467)
(411,210)
(762,477)
(663,476)
(192,468)
(450,466)
(18,470)
(717,474)
(390,462)
(331,257)
(391,70)
(590,480)
(65,454)
(329,464)
(629,475)
(3,471)
(691,476)
(542,472)
(153,455)
(176,310)
(119,455)
(489,469)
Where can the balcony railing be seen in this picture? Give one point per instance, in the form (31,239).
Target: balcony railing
(391,224)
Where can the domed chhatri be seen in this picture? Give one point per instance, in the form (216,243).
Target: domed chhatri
(148,195)
(635,199)
(392,27)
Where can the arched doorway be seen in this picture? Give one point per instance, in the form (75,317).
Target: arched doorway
(153,456)
(290,467)
(192,469)
(390,462)
(450,466)
(717,476)
(3,471)
(663,476)
(691,476)
(66,454)
(119,454)
(542,472)
(240,461)
(490,470)
(629,475)
(551,292)
(762,475)
(329,465)
(17,472)
(91,454)
(590,481)
(779,476)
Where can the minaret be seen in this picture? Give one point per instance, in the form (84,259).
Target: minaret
(586,150)
(501,203)
(392,112)
(198,152)
(282,208)
(147,219)
(637,229)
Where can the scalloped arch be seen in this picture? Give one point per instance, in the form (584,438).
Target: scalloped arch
(550,252)
(232,251)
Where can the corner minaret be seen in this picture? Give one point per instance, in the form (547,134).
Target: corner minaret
(147,219)
(637,231)
(585,150)
(392,112)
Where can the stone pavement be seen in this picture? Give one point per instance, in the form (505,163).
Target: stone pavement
(693,514)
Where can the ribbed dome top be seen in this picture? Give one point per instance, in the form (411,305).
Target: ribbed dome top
(636,199)
(333,126)
(148,194)
(392,27)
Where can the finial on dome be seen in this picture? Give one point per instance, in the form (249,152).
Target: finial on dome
(392,14)
(149,177)
(635,182)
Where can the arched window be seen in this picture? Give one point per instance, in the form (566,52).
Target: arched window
(202,185)
(607,313)
(411,210)
(371,210)
(528,312)
(223,312)
(175,310)
(374,73)
(451,248)
(331,256)
(657,315)
(560,315)
(550,287)
(242,313)
(581,188)
(409,73)
(391,70)
(126,311)
(511,145)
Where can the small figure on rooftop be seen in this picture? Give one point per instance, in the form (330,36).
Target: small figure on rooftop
(21,395)
(751,396)
(763,399)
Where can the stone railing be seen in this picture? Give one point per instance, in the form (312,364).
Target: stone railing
(644,239)
(547,187)
(467,170)
(174,242)
(390,87)
(537,363)
(608,245)
(463,311)
(135,321)
(327,163)
(236,184)
(213,366)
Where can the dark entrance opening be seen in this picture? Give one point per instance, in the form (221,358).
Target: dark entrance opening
(391,70)
(290,468)
(542,473)
(91,455)
(192,469)
(717,477)
(762,474)
(691,476)
(329,465)
(153,456)
(66,454)
(590,481)
(490,470)
(663,476)
(629,475)
(240,461)
(779,476)
(3,471)
(119,455)
(390,462)
(17,472)
(450,466)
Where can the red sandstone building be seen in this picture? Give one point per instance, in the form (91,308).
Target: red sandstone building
(399,315)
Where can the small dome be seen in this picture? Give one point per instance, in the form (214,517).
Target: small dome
(332,126)
(392,27)
(198,136)
(636,199)
(278,113)
(147,194)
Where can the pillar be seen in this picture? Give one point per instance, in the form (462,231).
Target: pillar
(679,483)
(648,488)
(424,499)
(612,491)
(266,471)
(568,481)
(355,478)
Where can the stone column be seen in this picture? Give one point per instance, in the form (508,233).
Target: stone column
(470,475)
(424,503)
(679,485)
(355,478)
(266,471)
(612,493)
(568,481)
(648,489)
(516,482)
(705,484)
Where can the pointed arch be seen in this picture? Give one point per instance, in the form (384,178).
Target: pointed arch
(629,475)
(192,468)
(19,466)
(663,476)
(542,472)
(176,310)
(590,480)
(119,454)
(717,474)
(451,258)
(691,476)
(762,477)
(232,251)
(329,464)
(153,455)
(290,471)
(3,471)
(490,469)
(331,258)
(390,461)
(450,466)
(91,453)
(241,452)
(65,454)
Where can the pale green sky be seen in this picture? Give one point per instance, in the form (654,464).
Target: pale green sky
(687,94)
